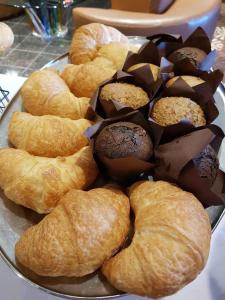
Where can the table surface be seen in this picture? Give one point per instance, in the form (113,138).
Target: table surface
(30,53)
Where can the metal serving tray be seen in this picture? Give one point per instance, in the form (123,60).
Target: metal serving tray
(14,219)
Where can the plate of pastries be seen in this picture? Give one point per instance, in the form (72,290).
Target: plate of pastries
(112,166)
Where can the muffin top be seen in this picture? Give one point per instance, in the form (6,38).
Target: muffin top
(155,69)
(195,55)
(190,80)
(124,139)
(124,93)
(171,110)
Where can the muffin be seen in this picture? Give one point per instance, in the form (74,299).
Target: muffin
(123,139)
(171,110)
(192,81)
(195,55)
(155,69)
(207,164)
(124,93)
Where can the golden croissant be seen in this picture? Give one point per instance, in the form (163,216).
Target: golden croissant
(39,182)
(83,80)
(45,93)
(48,135)
(170,245)
(84,230)
(87,39)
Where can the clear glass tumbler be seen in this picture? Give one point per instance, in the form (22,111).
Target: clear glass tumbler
(50,17)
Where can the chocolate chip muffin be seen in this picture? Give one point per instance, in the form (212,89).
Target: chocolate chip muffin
(171,110)
(207,164)
(123,139)
(124,93)
(195,55)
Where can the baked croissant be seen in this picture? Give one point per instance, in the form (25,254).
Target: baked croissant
(49,136)
(45,93)
(170,245)
(87,39)
(84,80)
(39,182)
(84,230)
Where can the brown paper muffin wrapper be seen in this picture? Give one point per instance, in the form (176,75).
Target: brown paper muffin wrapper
(212,81)
(201,94)
(149,53)
(175,164)
(121,169)
(109,109)
(198,39)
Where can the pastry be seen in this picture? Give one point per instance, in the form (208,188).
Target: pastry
(88,39)
(45,93)
(190,80)
(194,55)
(170,245)
(123,139)
(124,93)
(154,69)
(171,110)
(6,37)
(207,164)
(116,53)
(48,135)
(84,230)
(39,182)
(85,79)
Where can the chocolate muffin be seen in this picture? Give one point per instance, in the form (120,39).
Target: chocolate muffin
(123,139)
(124,93)
(154,69)
(171,110)
(190,80)
(207,164)
(195,55)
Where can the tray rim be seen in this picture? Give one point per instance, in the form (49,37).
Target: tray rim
(49,291)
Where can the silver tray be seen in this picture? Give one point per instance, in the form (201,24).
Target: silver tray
(14,219)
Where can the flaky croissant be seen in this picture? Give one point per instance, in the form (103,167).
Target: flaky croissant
(39,182)
(48,136)
(83,80)
(45,93)
(89,38)
(170,245)
(84,230)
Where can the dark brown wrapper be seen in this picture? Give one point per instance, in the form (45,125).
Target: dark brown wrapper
(175,164)
(201,94)
(149,53)
(121,169)
(166,43)
(109,109)
(198,39)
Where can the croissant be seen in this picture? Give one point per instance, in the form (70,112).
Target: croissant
(170,245)
(49,136)
(89,38)
(84,81)
(39,182)
(45,93)
(84,230)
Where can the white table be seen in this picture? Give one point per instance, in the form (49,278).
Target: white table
(210,285)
